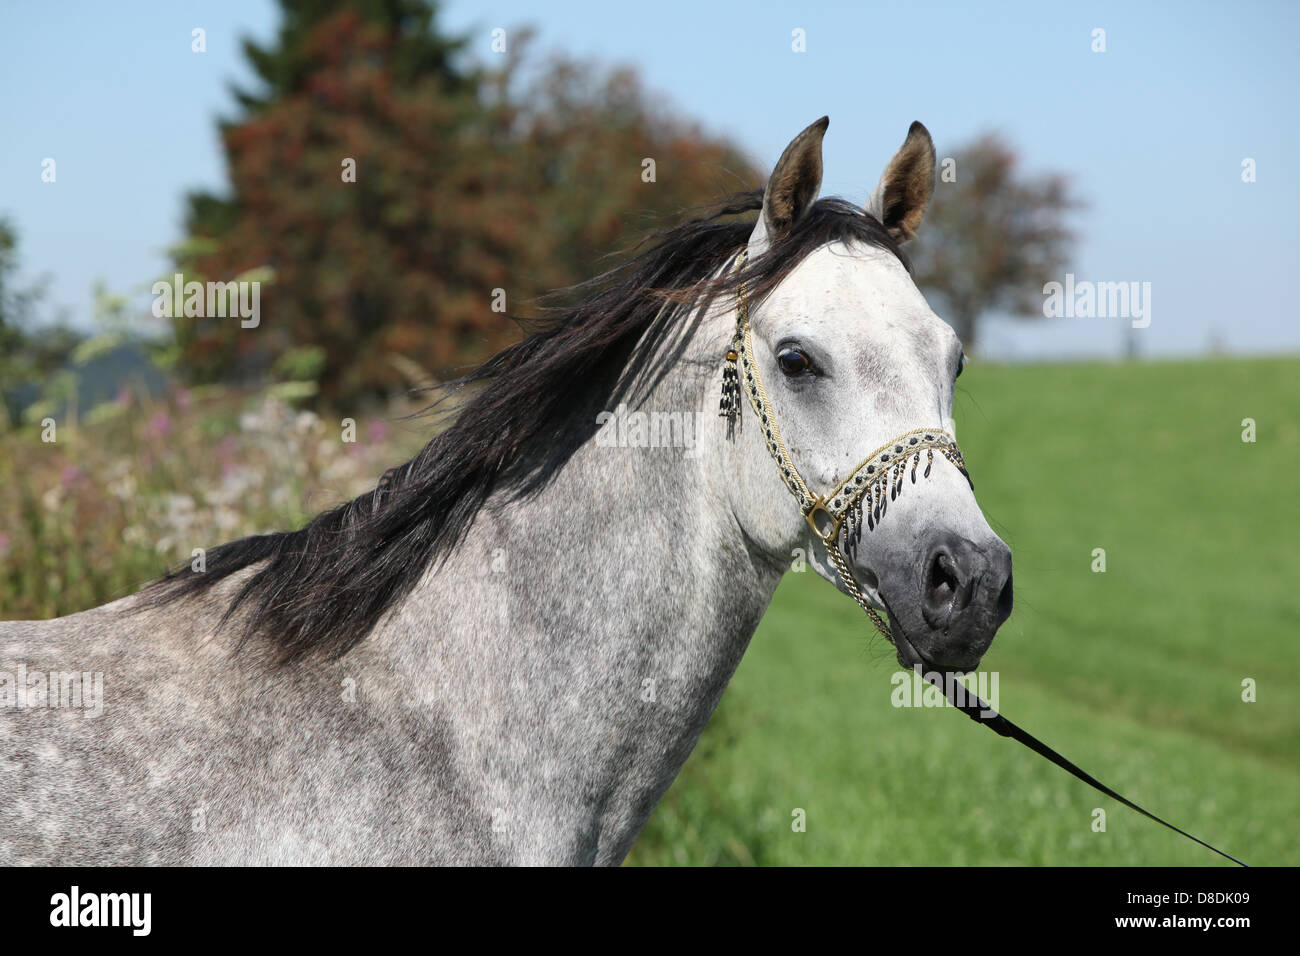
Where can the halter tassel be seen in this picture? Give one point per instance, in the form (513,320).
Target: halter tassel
(729,407)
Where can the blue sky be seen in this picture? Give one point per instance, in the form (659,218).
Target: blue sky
(1152,132)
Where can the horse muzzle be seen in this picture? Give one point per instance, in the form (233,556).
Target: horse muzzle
(945,609)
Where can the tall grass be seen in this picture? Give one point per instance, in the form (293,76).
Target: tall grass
(140,483)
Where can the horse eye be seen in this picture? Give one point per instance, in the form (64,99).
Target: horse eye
(961,364)
(793,361)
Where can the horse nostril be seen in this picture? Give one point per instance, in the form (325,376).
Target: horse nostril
(942,583)
(1005,601)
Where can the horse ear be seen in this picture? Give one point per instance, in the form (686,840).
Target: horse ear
(793,185)
(905,188)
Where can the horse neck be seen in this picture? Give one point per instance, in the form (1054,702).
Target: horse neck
(623,588)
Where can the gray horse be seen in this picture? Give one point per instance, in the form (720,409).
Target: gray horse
(506,651)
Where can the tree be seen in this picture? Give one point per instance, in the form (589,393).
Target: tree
(30,350)
(414,49)
(992,237)
(467,181)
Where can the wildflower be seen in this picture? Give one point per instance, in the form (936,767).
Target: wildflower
(72,476)
(159,425)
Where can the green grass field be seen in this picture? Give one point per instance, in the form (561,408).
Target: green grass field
(1135,674)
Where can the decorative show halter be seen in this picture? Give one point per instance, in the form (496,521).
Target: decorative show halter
(863,497)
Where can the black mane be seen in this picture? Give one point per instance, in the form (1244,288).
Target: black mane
(325,586)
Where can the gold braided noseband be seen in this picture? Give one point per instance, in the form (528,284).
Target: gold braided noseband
(865,494)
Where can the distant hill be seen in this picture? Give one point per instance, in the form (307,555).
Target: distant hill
(103,377)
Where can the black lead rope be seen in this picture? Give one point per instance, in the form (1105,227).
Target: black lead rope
(982,713)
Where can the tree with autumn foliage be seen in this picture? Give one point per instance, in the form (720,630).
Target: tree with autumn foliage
(468,180)
(992,236)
